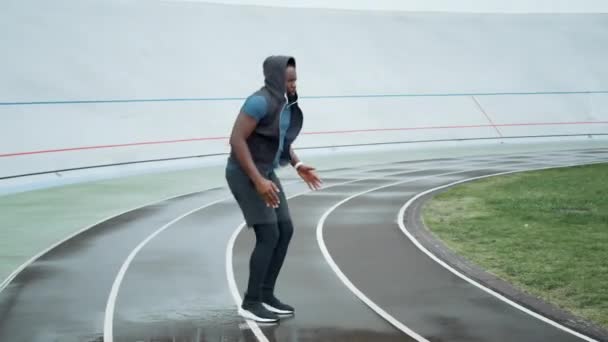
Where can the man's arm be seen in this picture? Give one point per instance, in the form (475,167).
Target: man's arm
(243,127)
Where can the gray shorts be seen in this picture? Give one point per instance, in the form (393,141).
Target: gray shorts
(251,203)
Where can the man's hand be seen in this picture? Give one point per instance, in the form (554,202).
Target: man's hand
(310,177)
(269,192)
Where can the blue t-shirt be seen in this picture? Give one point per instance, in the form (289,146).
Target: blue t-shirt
(256,107)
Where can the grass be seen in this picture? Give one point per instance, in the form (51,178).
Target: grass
(546,232)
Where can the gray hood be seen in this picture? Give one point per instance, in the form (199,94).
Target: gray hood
(274,74)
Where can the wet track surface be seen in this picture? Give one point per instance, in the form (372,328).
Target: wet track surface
(176,288)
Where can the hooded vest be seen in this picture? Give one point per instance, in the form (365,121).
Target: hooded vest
(263,142)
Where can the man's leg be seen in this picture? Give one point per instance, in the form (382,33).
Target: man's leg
(270,301)
(267,236)
(285,229)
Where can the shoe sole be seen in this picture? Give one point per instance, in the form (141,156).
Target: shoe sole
(277,311)
(251,316)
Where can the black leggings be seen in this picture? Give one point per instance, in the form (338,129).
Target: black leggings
(272,241)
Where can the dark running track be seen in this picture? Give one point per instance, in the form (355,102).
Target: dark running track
(175,288)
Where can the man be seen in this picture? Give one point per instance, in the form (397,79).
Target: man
(267,125)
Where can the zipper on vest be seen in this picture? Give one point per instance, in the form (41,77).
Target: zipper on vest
(280,118)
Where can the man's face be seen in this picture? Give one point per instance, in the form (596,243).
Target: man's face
(291,78)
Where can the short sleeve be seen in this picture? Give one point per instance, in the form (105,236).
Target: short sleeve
(255,106)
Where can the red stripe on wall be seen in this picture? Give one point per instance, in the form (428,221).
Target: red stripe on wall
(162,142)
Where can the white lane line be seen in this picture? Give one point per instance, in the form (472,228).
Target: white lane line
(401,222)
(19,269)
(14,274)
(108,327)
(232,286)
(234,290)
(332,264)
(110,307)
(108,330)
(230,247)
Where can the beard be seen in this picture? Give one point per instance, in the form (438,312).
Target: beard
(292,97)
